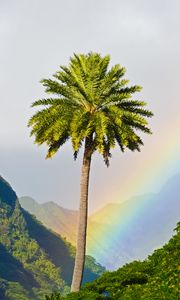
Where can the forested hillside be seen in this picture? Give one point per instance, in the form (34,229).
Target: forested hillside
(33,260)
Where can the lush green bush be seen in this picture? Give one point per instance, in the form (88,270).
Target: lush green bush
(83,295)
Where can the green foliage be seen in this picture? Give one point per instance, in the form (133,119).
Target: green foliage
(15,291)
(91,264)
(33,260)
(28,256)
(90,100)
(153,279)
(90,295)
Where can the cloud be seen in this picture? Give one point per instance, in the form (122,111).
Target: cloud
(38,36)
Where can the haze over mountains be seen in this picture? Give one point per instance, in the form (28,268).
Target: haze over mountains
(61,220)
(139,225)
(34,261)
(120,232)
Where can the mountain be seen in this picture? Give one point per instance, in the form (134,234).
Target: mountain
(33,259)
(61,220)
(120,232)
(157,277)
(136,227)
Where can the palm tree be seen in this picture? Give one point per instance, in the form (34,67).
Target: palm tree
(93,106)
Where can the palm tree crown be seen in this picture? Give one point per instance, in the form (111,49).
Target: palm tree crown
(90,100)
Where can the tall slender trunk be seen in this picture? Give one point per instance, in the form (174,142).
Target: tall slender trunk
(83,214)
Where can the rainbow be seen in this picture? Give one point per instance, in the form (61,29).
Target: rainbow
(163,162)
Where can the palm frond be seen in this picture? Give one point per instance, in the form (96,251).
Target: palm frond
(90,100)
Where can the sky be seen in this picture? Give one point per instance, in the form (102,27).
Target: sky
(36,37)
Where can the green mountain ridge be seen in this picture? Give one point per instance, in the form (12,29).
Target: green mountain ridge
(61,220)
(33,259)
(119,232)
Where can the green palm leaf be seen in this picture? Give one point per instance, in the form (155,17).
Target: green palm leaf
(90,100)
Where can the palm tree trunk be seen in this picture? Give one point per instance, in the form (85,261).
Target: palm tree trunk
(83,214)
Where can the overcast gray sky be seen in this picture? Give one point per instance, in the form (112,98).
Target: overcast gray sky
(38,36)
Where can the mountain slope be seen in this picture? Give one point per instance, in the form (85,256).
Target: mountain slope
(61,220)
(120,232)
(33,259)
(138,226)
